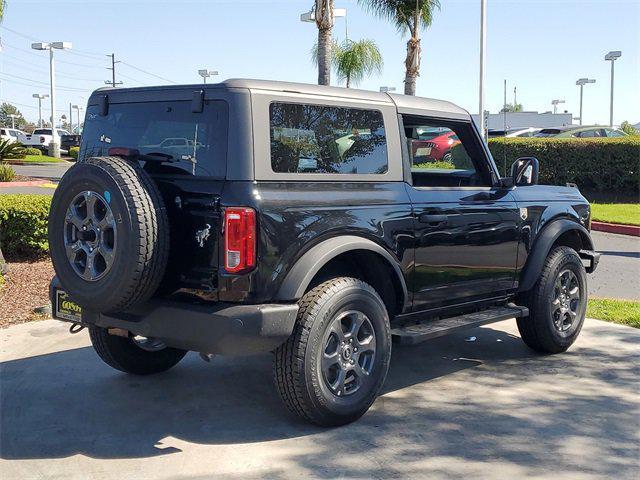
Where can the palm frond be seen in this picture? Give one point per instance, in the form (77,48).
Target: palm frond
(354,60)
(402,12)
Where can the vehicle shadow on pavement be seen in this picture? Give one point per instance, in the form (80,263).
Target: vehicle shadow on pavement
(479,399)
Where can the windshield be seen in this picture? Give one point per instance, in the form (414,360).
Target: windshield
(196,142)
(548,132)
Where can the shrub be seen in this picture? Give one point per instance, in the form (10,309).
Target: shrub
(9,149)
(604,164)
(439,164)
(32,151)
(6,173)
(23,224)
(73,152)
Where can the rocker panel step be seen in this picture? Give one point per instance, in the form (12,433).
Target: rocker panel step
(417,333)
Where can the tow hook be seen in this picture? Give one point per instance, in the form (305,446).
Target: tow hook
(75,328)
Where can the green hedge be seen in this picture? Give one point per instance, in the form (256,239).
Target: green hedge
(33,151)
(73,152)
(605,164)
(23,224)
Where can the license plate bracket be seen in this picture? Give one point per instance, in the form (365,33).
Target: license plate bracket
(65,308)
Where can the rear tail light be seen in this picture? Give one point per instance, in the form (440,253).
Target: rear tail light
(41,139)
(239,239)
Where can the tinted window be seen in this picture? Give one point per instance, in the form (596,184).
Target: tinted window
(324,139)
(197,142)
(42,131)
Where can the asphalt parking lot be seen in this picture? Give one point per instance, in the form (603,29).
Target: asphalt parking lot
(451,408)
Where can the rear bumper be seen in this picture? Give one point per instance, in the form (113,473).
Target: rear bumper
(223,328)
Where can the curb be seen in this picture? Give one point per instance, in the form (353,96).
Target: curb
(633,230)
(32,183)
(36,164)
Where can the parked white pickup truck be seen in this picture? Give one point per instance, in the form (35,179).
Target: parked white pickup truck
(41,138)
(12,134)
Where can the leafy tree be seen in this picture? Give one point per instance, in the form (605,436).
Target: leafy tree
(323,10)
(7,109)
(353,60)
(511,108)
(629,129)
(408,16)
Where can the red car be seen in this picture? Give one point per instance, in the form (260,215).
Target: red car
(436,146)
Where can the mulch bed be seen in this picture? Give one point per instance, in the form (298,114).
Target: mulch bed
(26,287)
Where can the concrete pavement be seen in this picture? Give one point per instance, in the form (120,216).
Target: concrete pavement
(52,171)
(618,274)
(451,408)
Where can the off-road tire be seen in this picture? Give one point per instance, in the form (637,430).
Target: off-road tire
(123,354)
(142,248)
(297,374)
(538,330)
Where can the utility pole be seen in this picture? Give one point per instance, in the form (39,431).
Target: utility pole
(70,117)
(504,108)
(113,82)
(515,97)
(483,62)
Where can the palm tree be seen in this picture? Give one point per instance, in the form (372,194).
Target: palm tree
(353,61)
(408,15)
(323,10)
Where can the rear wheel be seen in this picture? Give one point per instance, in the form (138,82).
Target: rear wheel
(137,355)
(333,365)
(557,303)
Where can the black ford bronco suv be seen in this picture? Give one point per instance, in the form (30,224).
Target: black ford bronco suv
(319,223)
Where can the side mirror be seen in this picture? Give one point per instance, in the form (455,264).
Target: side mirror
(524,171)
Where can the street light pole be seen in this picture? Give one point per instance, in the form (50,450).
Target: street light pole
(612,57)
(582,82)
(40,97)
(555,105)
(13,119)
(204,73)
(77,108)
(483,60)
(54,146)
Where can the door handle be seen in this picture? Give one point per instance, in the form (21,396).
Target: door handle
(433,219)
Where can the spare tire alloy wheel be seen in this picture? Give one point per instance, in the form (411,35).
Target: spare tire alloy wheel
(108,234)
(90,235)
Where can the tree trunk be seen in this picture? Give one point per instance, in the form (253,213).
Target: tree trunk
(3,264)
(324,56)
(348,80)
(412,65)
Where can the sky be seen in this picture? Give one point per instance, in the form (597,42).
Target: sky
(541,47)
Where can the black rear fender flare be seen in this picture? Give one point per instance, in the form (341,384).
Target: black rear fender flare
(304,270)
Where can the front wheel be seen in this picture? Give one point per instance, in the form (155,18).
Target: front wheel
(333,365)
(137,355)
(557,303)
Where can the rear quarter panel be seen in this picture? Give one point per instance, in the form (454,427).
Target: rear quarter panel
(295,216)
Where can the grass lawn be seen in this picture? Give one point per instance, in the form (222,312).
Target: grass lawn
(626,312)
(626,213)
(40,159)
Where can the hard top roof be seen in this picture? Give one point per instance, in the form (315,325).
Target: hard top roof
(401,101)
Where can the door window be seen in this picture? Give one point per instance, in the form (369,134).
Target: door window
(327,139)
(445,154)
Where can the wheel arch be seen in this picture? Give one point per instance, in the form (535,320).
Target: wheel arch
(559,232)
(341,255)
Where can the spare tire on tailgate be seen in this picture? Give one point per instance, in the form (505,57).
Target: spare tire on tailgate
(108,234)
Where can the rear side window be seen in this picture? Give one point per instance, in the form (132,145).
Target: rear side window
(194,143)
(327,139)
